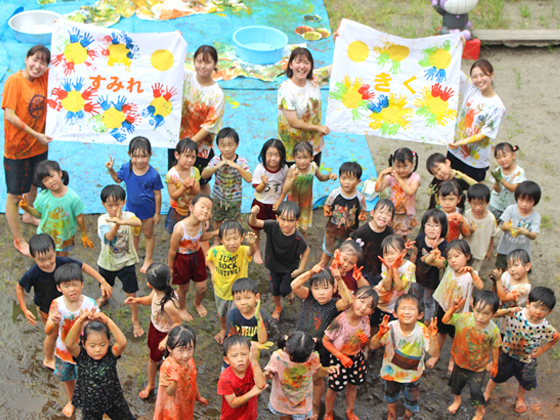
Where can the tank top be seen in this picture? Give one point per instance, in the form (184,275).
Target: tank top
(189,244)
(160,319)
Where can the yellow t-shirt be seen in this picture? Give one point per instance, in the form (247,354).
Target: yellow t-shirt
(228,268)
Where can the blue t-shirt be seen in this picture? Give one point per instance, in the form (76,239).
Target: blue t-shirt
(237,324)
(140,198)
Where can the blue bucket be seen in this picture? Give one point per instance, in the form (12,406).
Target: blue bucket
(259,44)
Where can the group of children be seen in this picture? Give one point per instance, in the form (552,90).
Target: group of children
(371,288)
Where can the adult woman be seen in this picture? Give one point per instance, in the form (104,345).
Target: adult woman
(299,104)
(478,122)
(203,109)
(24,101)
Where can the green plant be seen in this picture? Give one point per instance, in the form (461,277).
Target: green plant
(546,222)
(555,353)
(517,74)
(525,11)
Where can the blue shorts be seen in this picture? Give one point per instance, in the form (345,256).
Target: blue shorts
(294,416)
(410,391)
(64,371)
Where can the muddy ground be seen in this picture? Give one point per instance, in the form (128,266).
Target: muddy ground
(528,82)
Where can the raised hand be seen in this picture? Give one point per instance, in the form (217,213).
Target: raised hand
(357,273)
(435,241)
(473,227)
(250,238)
(432,329)
(385,263)
(409,244)
(295,174)
(100,316)
(333,177)
(398,261)
(458,303)
(316,269)
(466,269)
(384,326)
(336,260)
(264,179)
(109,165)
(435,253)
(255,210)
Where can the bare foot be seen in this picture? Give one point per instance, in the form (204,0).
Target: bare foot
(520,406)
(314,416)
(68,409)
(30,220)
(349,415)
(450,367)
(328,416)
(257,258)
(22,247)
(145,393)
(291,298)
(49,364)
(486,397)
(391,416)
(407,416)
(220,337)
(185,316)
(431,362)
(101,301)
(201,310)
(276,314)
(146,265)
(137,328)
(480,411)
(452,409)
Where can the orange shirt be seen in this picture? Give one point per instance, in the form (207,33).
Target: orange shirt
(29,102)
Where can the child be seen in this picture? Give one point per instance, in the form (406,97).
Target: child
(25,111)
(371,235)
(116,230)
(178,388)
(406,341)
(482,225)
(318,310)
(299,183)
(186,258)
(63,313)
(286,251)
(345,208)
(506,178)
(183,182)
(428,266)
(58,207)
(268,181)
(164,316)
(521,223)
(475,336)
(227,263)
(98,389)
(451,201)
(293,368)
(523,345)
(457,281)
(346,338)
(344,266)
(247,318)
(440,167)
(397,277)
(41,277)
(241,383)
(144,185)
(404,183)
(229,168)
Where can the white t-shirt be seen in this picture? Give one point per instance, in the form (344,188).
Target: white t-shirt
(120,252)
(387,300)
(273,188)
(486,228)
(501,200)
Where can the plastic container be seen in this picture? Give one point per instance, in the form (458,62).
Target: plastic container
(259,44)
(472,49)
(33,26)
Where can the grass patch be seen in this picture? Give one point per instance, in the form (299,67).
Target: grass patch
(517,74)
(546,222)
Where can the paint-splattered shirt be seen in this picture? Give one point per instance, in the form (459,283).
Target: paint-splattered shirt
(486,229)
(228,186)
(387,300)
(523,289)
(302,194)
(181,204)
(315,318)
(120,252)
(203,107)
(501,200)
(345,211)
(306,102)
(404,203)
(228,267)
(345,337)
(181,405)
(453,286)
(508,242)
(292,386)
(372,247)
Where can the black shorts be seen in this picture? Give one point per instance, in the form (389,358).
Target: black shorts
(478,174)
(19,173)
(444,328)
(525,373)
(463,377)
(126,275)
(355,374)
(280,283)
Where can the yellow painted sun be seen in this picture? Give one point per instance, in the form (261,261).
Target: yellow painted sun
(113,118)
(162,60)
(75,53)
(73,102)
(118,54)
(162,106)
(358,51)
(394,113)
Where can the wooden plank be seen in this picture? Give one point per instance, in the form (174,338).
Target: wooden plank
(515,37)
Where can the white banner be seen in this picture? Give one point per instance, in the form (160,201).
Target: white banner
(108,86)
(383,85)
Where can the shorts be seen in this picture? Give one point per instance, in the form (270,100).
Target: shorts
(154,338)
(66,248)
(19,173)
(410,391)
(525,373)
(497,213)
(501,261)
(118,410)
(404,224)
(187,267)
(226,210)
(294,416)
(355,374)
(172,219)
(280,283)
(127,276)
(463,377)
(444,328)
(478,174)
(44,316)
(334,236)
(376,318)
(265,213)
(223,306)
(64,371)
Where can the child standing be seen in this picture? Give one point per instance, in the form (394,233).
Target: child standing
(294,368)
(63,313)
(345,208)
(227,263)
(165,315)
(440,167)
(178,388)
(344,266)
(286,251)
(98,389)
(345,339)
(513,287)
(144,185)
(186,258)
(268,181)
(247,318)
(526,333)
(116,230)
(58,207)
(451,201)
(229,168)
(299,183)
(404,183)
(406,341)
(183,182)
(506,178)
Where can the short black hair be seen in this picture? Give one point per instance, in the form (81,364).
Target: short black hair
(322,277)
(365,292)
(504,148)
(95,326)
(114,191)
(288,208)
(298,345)
(452,187)
(487,298)
(543,296)
(181,336)
(234,340)
(351,168)
(385,204)
(302,146)
(413,298)
(230,225)
(479,191)
(197,197)
(394,241)
(528,190)
(41,244)
(433,160)
(67,273)
(439,217)
(42,52)
(351,247)
(518,255)
(227,132)
(244,284)
(462,246)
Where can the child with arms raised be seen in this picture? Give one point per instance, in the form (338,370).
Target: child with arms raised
(506,178)
(440,167)
(344,266)
(451,200)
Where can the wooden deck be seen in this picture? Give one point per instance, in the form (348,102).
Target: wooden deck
(517,37)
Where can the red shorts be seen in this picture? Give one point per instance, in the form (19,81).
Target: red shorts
(189,267)
(154,338)
(265,212)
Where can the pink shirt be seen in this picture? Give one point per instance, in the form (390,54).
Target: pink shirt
(344,337)
(403,202)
